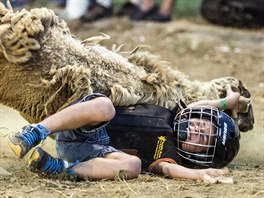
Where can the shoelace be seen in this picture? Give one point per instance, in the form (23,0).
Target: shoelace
(69,169)
(53,165)
(30,136)
(34,134)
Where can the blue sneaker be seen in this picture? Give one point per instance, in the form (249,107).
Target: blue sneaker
(42,162)
(27,138)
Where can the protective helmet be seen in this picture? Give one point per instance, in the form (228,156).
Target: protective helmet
(222,136)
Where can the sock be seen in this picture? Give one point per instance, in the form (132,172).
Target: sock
(65,164)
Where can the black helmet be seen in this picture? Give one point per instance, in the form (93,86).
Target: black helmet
(223,136)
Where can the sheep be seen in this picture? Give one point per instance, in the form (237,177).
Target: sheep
(44,68)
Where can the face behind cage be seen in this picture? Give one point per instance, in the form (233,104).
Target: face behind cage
(197,130)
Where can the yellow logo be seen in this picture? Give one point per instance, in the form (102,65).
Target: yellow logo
(159,147)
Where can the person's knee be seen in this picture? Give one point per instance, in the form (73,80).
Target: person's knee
(107,108)
(134,167)
(126,166)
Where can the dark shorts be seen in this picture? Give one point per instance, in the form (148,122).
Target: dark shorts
(83,144)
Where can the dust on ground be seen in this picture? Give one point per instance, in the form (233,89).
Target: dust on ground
(202,51)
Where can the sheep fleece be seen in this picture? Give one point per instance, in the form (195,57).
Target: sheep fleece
(43,68)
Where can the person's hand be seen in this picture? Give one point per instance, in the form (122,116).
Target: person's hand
(213,176)
(232,99)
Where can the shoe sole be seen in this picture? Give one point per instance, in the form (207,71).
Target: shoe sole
(35,159)
(15,148)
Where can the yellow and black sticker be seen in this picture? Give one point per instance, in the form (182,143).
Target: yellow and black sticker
(159,147)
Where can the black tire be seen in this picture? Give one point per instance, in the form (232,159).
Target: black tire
(239,13)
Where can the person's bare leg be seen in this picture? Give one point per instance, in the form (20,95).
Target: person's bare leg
(114,164)
(146,5)
(166,7)
(89,113)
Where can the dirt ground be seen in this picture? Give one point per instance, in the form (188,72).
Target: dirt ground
(202,51)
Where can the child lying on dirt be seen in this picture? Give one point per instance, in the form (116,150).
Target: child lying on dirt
(208,138)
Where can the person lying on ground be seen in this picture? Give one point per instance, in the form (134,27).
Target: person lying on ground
(82,143)
(189,145)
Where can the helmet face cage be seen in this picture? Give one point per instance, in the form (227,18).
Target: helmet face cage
(196,117)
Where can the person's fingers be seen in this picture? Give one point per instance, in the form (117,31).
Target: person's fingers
(208,179)
(234,114)
(231,89)
(224,180)
(228,87)
(232,98)
(220,88)
(243,104)
(221,179)
(216,177)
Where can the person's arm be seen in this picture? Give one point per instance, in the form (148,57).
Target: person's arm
(229,102)
(209,175)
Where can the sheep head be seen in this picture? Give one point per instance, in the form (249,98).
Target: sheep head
(245,117)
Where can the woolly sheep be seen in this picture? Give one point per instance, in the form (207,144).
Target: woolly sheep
(43,68)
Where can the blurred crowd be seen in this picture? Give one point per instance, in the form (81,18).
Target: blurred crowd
(135,9)
(92,10)
(249,14)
